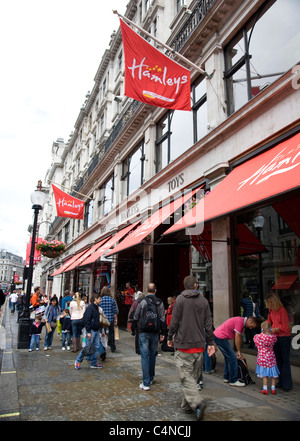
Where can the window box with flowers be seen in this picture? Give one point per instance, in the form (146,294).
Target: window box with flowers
(51,249)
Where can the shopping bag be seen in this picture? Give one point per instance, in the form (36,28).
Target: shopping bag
(117,334)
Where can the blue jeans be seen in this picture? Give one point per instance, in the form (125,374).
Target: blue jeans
(231,366)
(148,346)
(65,336)
(95,339)
(76,328)
(49,338)
(35,339)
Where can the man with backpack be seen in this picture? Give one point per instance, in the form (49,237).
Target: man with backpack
(149,320)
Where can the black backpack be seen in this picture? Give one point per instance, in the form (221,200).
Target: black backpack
(243,372)
(149,320)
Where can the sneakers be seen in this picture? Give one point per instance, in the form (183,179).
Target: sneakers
(63,348)
(237,383)
(143,387)
(98,366)
(77,365)
(200,411)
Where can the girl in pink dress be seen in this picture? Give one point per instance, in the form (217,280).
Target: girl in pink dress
(266,360)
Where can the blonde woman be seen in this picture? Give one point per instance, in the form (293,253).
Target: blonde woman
(279,320)
(77,308)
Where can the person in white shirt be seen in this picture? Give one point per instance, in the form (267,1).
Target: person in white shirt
(13,298)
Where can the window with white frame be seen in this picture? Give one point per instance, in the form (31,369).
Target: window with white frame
(133,169)
(89,213)
(107,196)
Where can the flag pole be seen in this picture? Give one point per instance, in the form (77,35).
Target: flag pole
(69,189)
(181,57)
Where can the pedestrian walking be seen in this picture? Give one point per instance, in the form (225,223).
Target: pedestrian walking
(35,331)
(278,318)
(52,313)
(110,309)
(191,316)
(129,294)
(130,318)
(92,325)
(233,329)
(13,298)
(77,309)
(266,360)
(65,321)
(149,320)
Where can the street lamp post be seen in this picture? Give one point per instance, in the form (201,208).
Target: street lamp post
(38,199)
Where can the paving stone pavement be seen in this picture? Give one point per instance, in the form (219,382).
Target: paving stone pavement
(44,386)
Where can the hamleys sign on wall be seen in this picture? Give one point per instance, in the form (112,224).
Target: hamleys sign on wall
(152,77)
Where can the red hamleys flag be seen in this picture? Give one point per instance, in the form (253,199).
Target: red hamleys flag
(151,77)
(66,205)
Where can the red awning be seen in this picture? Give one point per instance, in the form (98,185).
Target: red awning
(274,172)
(285,282)
(152,222)
(68,263)
(86,254)
(110,243)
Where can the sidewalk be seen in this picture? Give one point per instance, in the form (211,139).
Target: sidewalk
(44,386)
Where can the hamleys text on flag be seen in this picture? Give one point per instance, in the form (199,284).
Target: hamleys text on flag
(152,77)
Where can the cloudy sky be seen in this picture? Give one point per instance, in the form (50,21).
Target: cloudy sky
(50,52)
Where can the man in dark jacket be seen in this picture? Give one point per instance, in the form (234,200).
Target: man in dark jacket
(92,326)
(191,316)
(148,339)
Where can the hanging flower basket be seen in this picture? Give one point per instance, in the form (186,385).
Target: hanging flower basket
(51,249)
(249,261)
(193,201)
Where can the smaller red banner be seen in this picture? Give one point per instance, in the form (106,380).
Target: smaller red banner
(67,205)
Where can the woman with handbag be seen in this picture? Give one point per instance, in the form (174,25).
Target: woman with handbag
(52,313)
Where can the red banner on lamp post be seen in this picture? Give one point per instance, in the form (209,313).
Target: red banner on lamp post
(152,77)
(37,254)
(67,205)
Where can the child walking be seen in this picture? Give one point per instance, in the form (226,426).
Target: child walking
(65,321)
(266,360)
(35,331)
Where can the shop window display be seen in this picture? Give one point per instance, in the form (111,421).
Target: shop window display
(276,265)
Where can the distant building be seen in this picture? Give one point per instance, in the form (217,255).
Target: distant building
(11,266)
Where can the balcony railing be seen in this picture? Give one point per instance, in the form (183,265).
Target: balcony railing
(201,9)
